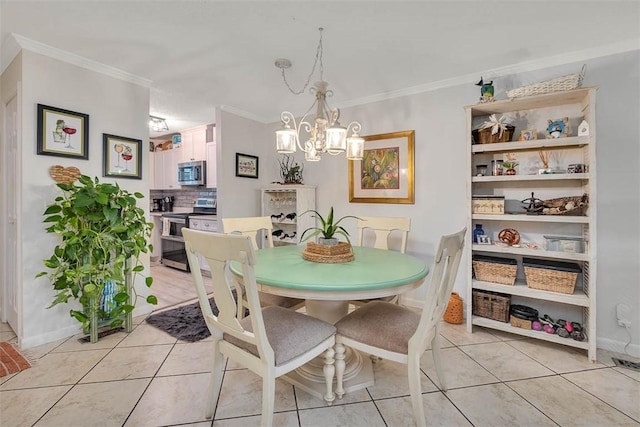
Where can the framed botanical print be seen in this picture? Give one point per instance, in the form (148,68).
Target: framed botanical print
(246,165)
(62,133)
(122,157)
(385,174)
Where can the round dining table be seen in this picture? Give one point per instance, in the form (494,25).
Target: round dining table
(327,289)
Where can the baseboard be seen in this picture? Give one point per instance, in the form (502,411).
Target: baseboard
(48,337)
(618,347)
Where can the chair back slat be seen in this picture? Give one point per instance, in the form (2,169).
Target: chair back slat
(443,276)
(382,228)
(250,226)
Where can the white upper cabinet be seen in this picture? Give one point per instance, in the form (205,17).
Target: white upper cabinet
(193,145)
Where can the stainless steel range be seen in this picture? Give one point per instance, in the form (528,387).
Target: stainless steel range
(173,249)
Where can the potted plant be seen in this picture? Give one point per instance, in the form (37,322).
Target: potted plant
(328,229)
(510,167)
(103,234)
(290,170)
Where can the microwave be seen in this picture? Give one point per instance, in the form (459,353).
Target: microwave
(192,173)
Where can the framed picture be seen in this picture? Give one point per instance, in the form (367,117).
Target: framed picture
(528,135)
(483,239)
(385,174)
(122,157)
(246,165)
(62,133)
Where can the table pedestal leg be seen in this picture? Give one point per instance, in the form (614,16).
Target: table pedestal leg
(358,372)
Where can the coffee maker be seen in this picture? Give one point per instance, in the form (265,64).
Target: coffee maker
(167,204)
(157,205)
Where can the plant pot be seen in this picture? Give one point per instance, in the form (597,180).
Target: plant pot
(327,242)
(510,172)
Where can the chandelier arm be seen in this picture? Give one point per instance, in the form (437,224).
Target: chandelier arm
(355,127)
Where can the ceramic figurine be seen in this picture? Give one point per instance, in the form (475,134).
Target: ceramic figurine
(558,128)
(486,91)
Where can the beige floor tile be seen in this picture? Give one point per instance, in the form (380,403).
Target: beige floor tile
(241,395)
(355,415)
(73,343)
(35,353)
(128,363)
(146,335)
(24,407)
(307,401)
(458,335)
(391,380)
(107,404)
(5,327)
(459,369)
(188,358)
(56,369)
(438,411)
(7,335)
(172,400)
(496,405)
(505,362)
(558,358)
(618,390)
(628,372)
(565,403)
(7,378)
(280,419)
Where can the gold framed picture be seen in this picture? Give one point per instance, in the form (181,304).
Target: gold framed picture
(385,174)
(528,135)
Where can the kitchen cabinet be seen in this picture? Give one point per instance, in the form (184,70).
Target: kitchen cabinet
(212,179)
(285,205)
(165,169)
(204,223)
(193,144)
(156,240)
(558,181)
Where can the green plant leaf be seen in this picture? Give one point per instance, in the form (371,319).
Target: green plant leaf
(138,195)
(52,209)
(148,281)
(102,198)
(151,299)
(53,218)
(121,297)
(138,268)
(79,316)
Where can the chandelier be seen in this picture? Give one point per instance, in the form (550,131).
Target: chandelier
(157,124)
(322,133)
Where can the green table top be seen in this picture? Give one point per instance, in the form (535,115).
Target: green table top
(284,267)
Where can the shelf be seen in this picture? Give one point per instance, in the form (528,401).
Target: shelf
(506,327)
(520,289)
(286,222)
(536,144)
(567,219)
(545,177)
(530,252)
(567,97)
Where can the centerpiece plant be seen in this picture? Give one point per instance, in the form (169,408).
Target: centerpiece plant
(328,228)
(103,233)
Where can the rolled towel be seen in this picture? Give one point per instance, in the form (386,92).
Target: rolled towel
(166,226)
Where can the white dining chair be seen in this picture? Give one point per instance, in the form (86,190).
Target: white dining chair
(259,341)
(252,227)
(381,228)
(392,332)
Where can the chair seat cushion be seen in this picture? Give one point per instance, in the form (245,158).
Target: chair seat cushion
(267,300)
(290,333)
(380,324)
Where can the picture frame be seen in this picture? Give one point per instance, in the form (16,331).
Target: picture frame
(122,157)
(528,135)
(62,133)
(247,166)
(386,172)
(483,239)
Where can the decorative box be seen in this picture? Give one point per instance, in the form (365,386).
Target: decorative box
(574,245)
(488,205)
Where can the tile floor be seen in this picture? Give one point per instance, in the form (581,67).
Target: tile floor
(148,378)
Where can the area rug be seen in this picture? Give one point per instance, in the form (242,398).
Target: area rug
(185,322)
(11,361)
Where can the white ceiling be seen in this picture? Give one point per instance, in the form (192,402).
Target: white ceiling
(202,54)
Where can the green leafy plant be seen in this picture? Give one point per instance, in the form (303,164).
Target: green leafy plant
(290,170)
(510,165)
(328,227)
(103,234)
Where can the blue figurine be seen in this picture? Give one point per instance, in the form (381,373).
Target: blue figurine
(486,90)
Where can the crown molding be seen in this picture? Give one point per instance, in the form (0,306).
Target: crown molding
(245,114)
(77,60)
(537,64)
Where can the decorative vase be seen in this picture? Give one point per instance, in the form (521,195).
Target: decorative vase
(510,171)
(479,231)
(453,313)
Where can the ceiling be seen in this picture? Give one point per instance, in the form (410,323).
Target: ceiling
(203,54)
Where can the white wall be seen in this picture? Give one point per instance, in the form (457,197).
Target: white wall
(439,122)
(114,106)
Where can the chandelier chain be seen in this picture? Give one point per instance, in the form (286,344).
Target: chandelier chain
(313,70)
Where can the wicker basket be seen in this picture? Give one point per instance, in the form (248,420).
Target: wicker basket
(328,254)
(491,305)
(570,205)
(494,269)
(484,136)
(568,82)
(553,276)
(519,323)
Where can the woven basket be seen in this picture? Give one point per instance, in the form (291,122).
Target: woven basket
(484,136)
(568,82)
(491,305)
(557,277)
(328,254)
(495,272)
(519,323)
(569,205)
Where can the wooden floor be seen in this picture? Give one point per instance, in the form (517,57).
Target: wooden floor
(172,286)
